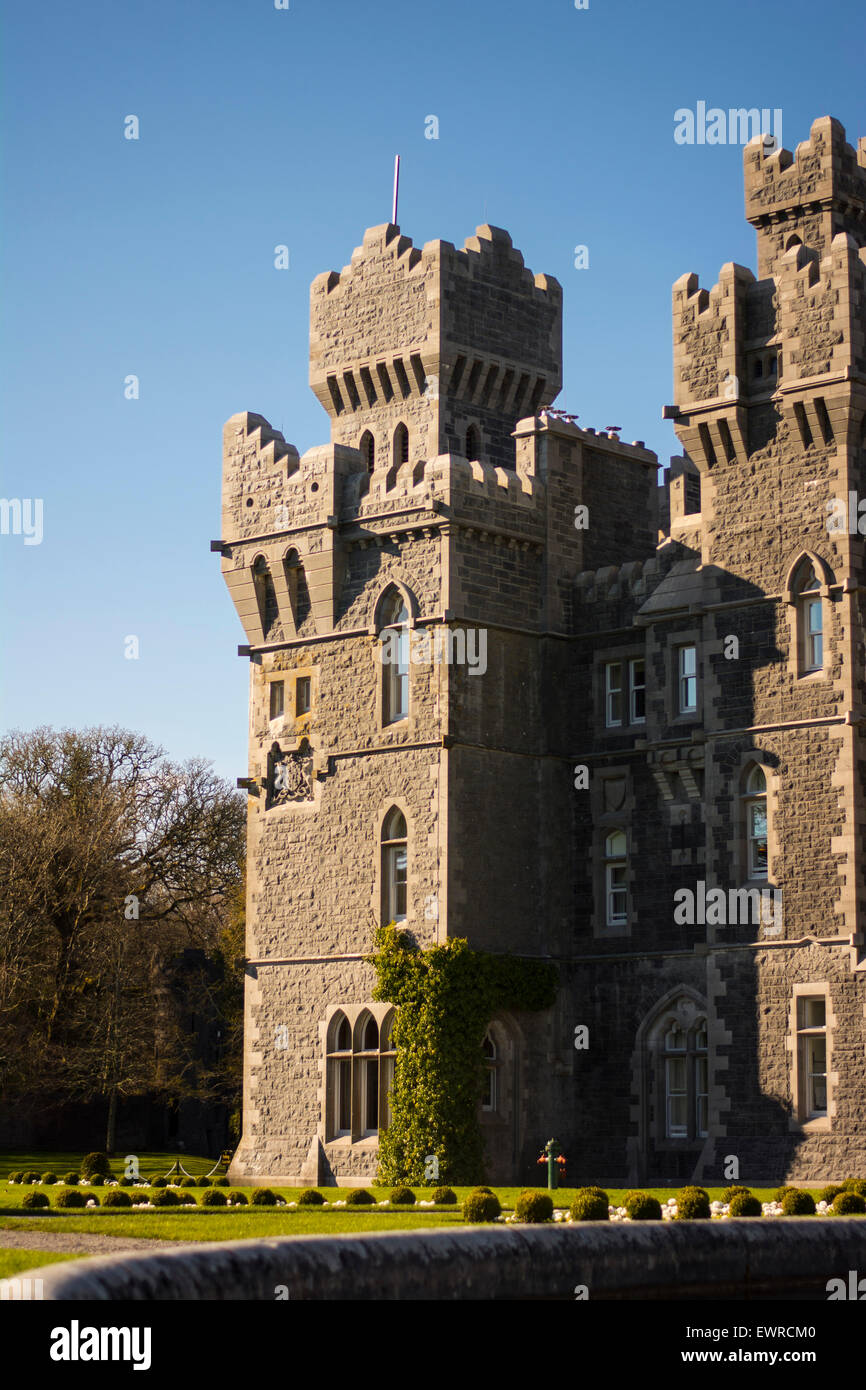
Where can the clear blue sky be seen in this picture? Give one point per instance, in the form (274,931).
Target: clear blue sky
(261,126)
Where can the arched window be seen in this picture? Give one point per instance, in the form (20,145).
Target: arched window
(266,596)
(686,1076)
(367,1061)
(615,871)
(489,1096)
(755,823)
(473,443)
(339,1076)
(394,653)
(401,444)
(360,1070)
(368,450)
(810,618)
(395,863)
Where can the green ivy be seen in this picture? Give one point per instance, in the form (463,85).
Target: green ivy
(446,997)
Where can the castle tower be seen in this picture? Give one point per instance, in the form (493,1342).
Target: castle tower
(434,351)
(383,792)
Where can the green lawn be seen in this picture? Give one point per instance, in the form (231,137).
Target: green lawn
(14,1261)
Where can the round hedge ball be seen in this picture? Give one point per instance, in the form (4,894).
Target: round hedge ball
(70,1197)
(164,1197)
(401,1197)
(642,1206)
(487,1190)
(444,1197)
(731,1192)
(590,1206)
(857,1185)
(360,1197)
(96,1163)
(798,1203)
(220,1182)
(49,1178)
(96,1181)
(237,1198)
(828,1194)
(693,1204)
(744,1204)
(213,1198)
(33,1200)
(534,1207)
(187,1182)
(30,1177)
(781,1193)
(116,1197)
(481,1206)
(159,1182)
(844,1204)
(263,1197)
(310,1198)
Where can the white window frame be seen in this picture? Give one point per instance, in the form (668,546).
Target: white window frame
(807,1035)
(615,864)
(755,798)
(684,677)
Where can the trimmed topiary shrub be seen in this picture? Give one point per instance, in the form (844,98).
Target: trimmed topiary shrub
(159,1182)
(401,1197)
(96,1163)
(488,1190)
(310,1198)
(49,1177)
(360,1197)
(219,1182)
(590,1205)
(534,1207)
(30,1177)
(116,1197)
(744,1204)
(857,1185)
(164,1197)
(34,1200)
(844,1204)
(781,1193)
(481,1206)
(213,1198)
(71,1179)
(96,1181)
(444,1197)
(70,1197)
(186,1199)
(701,1191)
(731,1192)
(263,1197)
(14,1177)
(798,1203)
(203,1182)
(642,1206)
(827,1194)
(693,1204)
(126,1182)
(237,1198)
(187,1182)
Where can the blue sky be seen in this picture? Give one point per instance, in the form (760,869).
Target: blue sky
(261,127)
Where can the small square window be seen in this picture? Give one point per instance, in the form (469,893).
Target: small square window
(302,695)
(277,699)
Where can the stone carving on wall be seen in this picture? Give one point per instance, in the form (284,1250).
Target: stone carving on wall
(290,774)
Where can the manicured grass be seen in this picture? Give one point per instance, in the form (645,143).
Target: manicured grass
(14,1261)
(244,1224)
(151,1164)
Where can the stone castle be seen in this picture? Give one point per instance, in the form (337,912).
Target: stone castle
(620,727)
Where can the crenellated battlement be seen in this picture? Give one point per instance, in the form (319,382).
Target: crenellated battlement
(807,197)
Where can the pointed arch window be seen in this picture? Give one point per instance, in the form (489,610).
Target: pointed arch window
(368,450)
(755,821)
(360,1071)
(401,444)
(394,637)
(339,1076)
(489,1097)
(810,618)
(266,596)
(686,1077)
(395,864)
